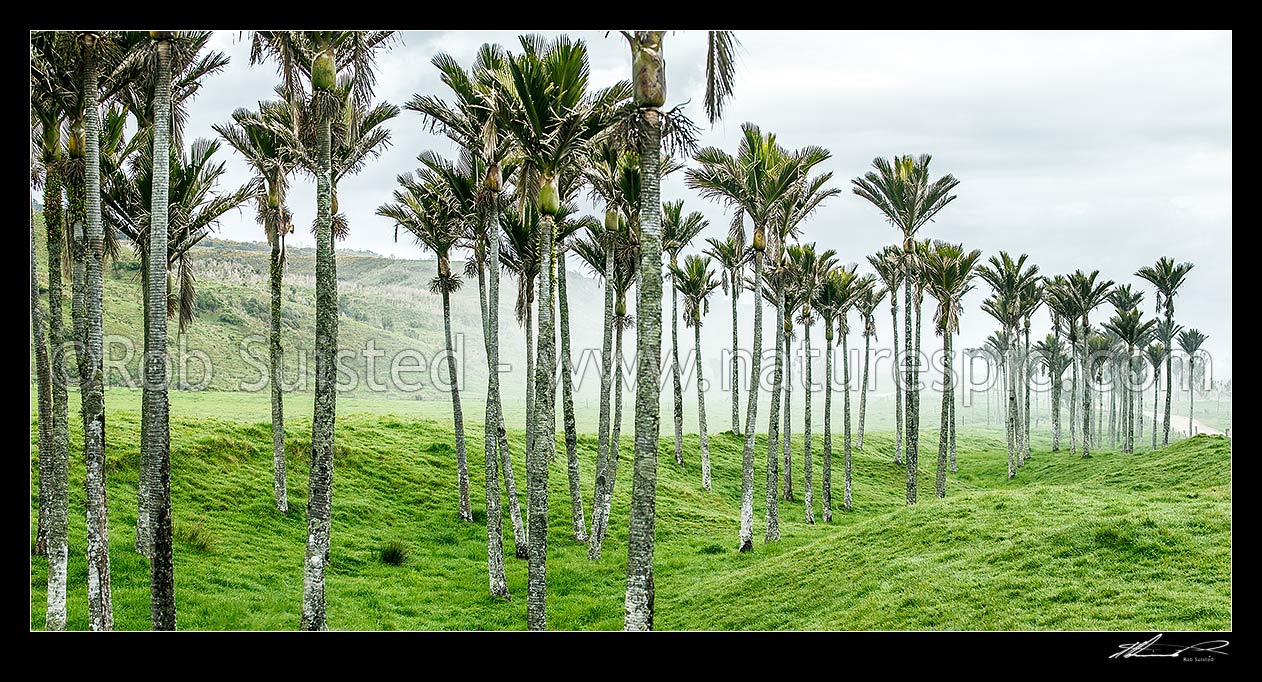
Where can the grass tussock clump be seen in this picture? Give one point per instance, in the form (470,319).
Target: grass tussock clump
(195,535)
(393,553)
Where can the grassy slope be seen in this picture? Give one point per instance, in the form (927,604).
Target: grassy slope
(1115,542)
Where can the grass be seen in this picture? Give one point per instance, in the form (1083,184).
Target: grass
(1133,542)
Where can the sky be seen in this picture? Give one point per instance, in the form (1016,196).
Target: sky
(1091,150)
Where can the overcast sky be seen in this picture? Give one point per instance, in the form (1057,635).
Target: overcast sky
(1092,150)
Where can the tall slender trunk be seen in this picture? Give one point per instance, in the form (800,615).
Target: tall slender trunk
(44,404)
(1073,398)
(320,498)
(845,407)
(544,420)
(493,428)
(773,433)
(863,392)
(100,604)
(567,407)
(531,360)
(675,378)
(1086,392)
(951,434)
(914,416)
(1011,418)
(1025,379)
(1139,414)
(751,414)
(828,414)
(1191,395)
(465,509)
(276,368)
(786,440)
(156,408)
(1165,429)
(1113,404)
(827,498)
(909,366)
(1156,370)
(59,480)
(944,428)
(603,435)
(701,425)
(600,515)
(898,393)
(641,530)
(736,384)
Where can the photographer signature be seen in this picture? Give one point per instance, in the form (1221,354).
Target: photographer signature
(1153,649)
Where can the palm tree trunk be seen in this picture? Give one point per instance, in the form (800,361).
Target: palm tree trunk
(1056,389)
(828,413)
(675,379)
(898,394)
(701,425)
(600,515)
(1073,399)
(1086,394)
(951,435)
(603,435)
(1011,417)
(59,481)
(1155,387)
(648,340)
(276,368)
(1113,405)
(1025,379)
(845,402)
(773,435)
(914,412)
(493,425)
(787,436)
(1165,428)
(567,409)
(751,414)
(156,408)
(910,369)
(100,604)
(538,456)
(530,364)
(1191,395)
(736,384)
(44,403)
(457,415)
(863,392)
(320,498)
(827,497)
(944,428)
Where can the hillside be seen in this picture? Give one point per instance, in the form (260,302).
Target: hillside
(1119,541)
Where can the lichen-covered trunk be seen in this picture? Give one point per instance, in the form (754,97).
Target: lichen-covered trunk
(701,425)
(1165,428)
(538,456)
(492,427)
(600,516)
(1025,379)
(320,497)
(846,430)
(1191,395)
(44,406)
(603,429)
(1010,420)
(1155,387)
(100,604)
(567,409)
(751,414)
(57,541)
(863,392)
(674,373)
(154,398)
(827,498)
(530,364)
(276,367)
(951,433)
(786,441)
(1056,391)
(828,418)
(1086,393)
(909,347)
(465,510)
(642,528)
(773,435)
(1073,399)
(736,384)
(898,394)
(944,428)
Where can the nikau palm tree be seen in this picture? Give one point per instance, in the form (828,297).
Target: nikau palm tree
(696,280)
(1009,278)
(888,265)
(678,230)
(901,190)
(1155,354)
(1088,294)
(868,299)
(1191,340)
(1167,277)
(731,256)
(948,271)
(807,271)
